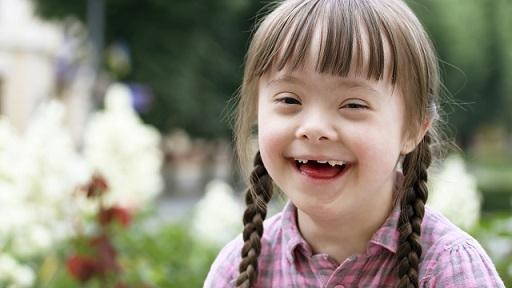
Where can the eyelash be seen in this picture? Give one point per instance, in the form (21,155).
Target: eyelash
(293,101)
(355,106)
(285,100)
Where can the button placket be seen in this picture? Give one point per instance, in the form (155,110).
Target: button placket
(340,272)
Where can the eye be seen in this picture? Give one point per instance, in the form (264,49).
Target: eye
(358,105)
(288,101)
(355,106)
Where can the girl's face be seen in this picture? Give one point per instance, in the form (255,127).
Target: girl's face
(353,123)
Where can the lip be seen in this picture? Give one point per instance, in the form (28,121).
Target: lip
(319,180)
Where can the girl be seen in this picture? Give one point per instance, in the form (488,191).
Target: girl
(344,94)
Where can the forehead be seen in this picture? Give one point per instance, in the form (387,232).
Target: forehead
(304,77)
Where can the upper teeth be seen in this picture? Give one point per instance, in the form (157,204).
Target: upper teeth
(331,162)
(335,162)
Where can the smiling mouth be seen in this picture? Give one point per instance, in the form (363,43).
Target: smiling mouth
(321,169)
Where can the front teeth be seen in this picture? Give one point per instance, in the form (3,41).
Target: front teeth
(331,162)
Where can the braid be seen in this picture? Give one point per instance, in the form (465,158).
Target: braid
(256,199)
(415,167)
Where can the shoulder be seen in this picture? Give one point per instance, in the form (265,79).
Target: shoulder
(452,258)
(224,269)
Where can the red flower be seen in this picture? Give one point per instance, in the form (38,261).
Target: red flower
(105,255)
(97,186)
(122,215)
(81,268)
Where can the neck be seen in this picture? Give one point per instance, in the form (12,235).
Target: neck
(346,235)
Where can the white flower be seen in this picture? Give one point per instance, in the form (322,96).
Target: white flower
(23,276)
(33,239)
(7,265)
(11,199)
(40,174)
(16,274)
(51,161)
(125,151)
(218,215)
(454,192)
(118,99)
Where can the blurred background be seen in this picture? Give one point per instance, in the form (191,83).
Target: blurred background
(116,162)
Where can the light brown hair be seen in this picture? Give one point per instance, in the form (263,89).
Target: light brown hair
(356,35)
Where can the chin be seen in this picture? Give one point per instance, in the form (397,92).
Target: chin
(317,208)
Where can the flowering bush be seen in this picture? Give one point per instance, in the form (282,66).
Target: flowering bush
(40,170)
(454,192)
(94,255)
(127,152)
(218,215)
(122,251)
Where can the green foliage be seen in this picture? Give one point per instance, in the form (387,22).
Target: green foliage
(495,230)
(57,9)
(494,181)
(189,52)
(472,39)
(169,256)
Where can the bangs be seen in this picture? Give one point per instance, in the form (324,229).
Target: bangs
(348,36)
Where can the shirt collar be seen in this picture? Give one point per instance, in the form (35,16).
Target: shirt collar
(292,238)
(387,235)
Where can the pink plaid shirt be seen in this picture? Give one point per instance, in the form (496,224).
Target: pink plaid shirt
(451,258)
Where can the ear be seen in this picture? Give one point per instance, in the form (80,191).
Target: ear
(411,142)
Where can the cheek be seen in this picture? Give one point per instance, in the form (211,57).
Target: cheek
(377,149)
(271,139)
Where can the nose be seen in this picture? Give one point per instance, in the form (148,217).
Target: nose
(317,128)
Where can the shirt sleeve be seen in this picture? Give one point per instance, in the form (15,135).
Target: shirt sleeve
(462,263)
(225,267)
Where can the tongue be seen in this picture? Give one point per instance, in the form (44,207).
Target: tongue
(317,170)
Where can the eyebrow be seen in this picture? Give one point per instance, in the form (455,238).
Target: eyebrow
(352,84)
(284,78)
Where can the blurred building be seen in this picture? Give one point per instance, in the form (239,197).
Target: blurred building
(38,61)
